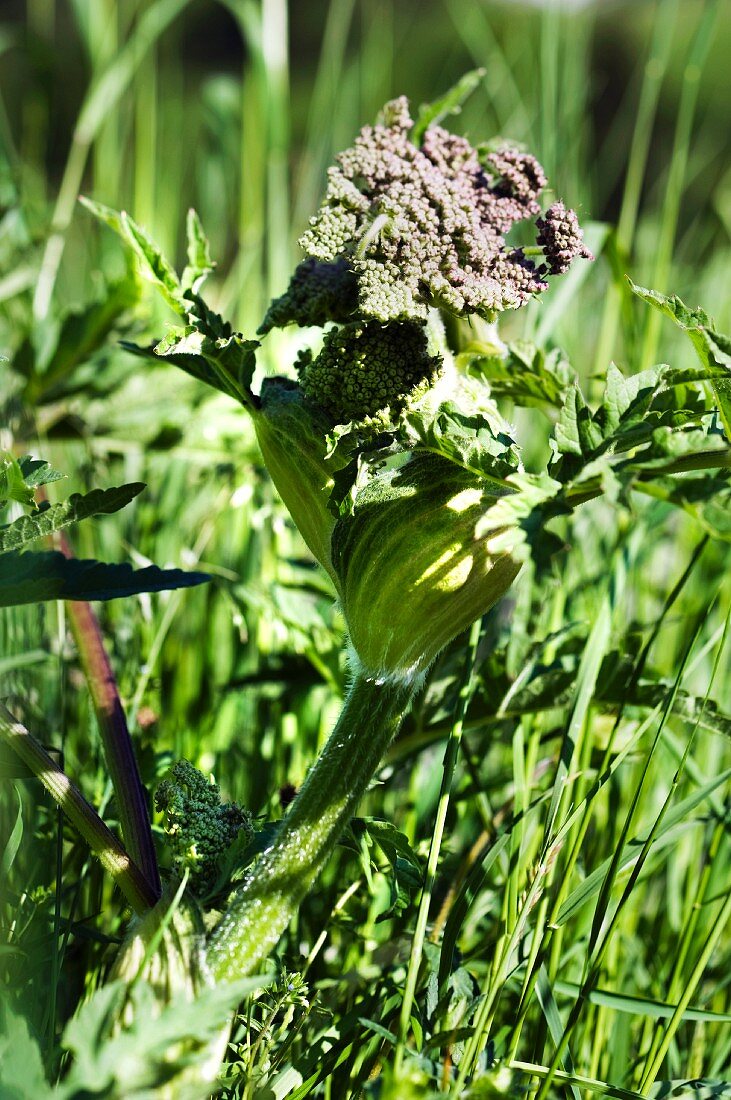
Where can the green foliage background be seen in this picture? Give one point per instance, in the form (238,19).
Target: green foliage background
(237,109)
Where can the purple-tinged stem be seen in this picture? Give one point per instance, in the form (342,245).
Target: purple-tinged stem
(118,750)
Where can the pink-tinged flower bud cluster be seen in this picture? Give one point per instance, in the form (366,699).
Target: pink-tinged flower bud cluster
(561,238)
(424,225)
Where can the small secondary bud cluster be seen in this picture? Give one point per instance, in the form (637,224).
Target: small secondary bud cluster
(317,293)
(198,826)
(560,237)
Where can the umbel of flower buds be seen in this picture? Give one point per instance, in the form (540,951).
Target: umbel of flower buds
(422,225)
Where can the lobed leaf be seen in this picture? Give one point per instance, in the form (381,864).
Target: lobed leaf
(36,471)
(525,374)
(476,437)
(206,347)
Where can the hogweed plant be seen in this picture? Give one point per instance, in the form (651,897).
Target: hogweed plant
(387,445)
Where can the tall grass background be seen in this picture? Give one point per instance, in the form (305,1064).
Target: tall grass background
(583,913)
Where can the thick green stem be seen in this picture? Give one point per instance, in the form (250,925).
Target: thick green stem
(277,884)
(80,813)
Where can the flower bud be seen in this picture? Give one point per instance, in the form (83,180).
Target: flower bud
(413,570)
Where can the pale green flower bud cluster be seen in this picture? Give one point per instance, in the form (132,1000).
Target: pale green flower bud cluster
(366,369)
(317,293)
(199,827)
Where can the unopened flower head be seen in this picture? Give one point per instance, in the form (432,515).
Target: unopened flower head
(423,225)
(198,826)
(366,368)
(561,238)
(317,293)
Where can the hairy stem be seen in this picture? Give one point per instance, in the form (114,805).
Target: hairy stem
(278,882)
(80,813)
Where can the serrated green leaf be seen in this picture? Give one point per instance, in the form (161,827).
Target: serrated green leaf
(106,214)
(206,347)
(36,471)
(650,421)
(450,103)
(226,364)
(34,577)
(576,433)
(476,438)
(713,348)
(155,267)
(55,517)
(13,485)
(524,373)
(672,307)
(230,360)
(199,264)
(627,399)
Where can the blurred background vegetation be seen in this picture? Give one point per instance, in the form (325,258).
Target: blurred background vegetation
(237,108)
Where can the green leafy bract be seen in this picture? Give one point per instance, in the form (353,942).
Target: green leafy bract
(473,439)
(449,104)
(524,373)
(206,347)
(713,348)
